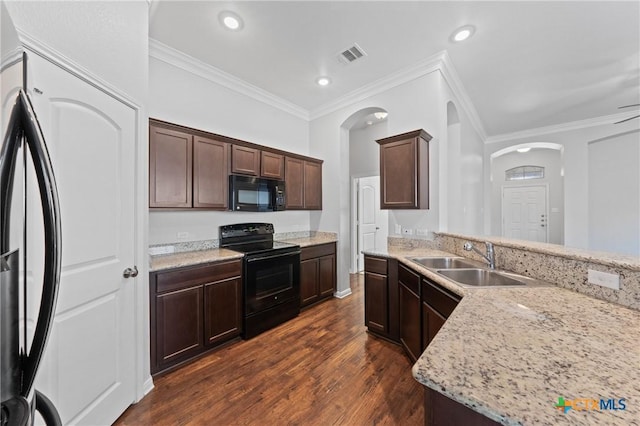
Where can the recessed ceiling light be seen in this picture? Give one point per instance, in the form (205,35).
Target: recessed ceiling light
(523,150)
(369,122)
(323,81)
(380,115)
(231,20)
(463,33)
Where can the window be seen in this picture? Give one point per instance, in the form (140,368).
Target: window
(524,173)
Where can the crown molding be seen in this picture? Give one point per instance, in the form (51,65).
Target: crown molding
(188,63)
(438,62)
(42,49)
(423,67)
(556,128)
(455,84)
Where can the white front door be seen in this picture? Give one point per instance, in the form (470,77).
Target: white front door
(372,222)
(524,213)
(88,367)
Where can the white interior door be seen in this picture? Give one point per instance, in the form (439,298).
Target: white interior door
(88,367)
(372,222)
(524,213)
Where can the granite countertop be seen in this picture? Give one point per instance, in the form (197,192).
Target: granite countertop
(510,353)
(314,240)
(611,259)
(196,257)
(189,258)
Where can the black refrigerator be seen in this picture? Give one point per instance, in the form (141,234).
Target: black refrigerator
(23,152)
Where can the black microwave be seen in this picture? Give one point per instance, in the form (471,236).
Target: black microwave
(252,194)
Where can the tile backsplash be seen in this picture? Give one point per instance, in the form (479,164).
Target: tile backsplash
(564,267)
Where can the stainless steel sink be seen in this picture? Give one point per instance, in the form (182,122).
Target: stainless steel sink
(443,262)
(480,277)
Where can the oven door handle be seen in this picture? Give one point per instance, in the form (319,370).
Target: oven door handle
(273,256)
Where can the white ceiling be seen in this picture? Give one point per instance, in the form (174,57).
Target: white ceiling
(529,64)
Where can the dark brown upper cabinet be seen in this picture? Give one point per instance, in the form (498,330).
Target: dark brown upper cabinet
(294,181)
(187,170)
(303,184)
(170,167)
(404,171)
(190,168)
(271,165)
(210,173)
(245,160)
(312,185)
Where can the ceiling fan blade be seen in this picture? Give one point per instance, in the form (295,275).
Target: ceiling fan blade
(628,106)
(627,119)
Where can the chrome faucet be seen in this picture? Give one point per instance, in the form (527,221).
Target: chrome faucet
(490,257)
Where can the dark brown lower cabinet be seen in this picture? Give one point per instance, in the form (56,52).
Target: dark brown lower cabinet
(178,324)
(222,318)
(317,273)
(440,410)
(193,309)
(437,305)
(432,321)
(376,316)
(381,297)
(410,313)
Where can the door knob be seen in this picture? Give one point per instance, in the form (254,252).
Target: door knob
(542,225)
(130,273)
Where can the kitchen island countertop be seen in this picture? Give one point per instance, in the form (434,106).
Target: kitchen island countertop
(510,353)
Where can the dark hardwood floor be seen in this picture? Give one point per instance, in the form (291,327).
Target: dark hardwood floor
(322,368)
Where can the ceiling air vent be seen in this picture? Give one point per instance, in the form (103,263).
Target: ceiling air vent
(351,54)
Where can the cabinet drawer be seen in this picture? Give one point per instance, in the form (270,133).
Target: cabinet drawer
(187,277)
(410,279)
(440,299)
(375,264)
(317,251)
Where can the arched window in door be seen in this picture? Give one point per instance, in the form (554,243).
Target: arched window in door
(524,173)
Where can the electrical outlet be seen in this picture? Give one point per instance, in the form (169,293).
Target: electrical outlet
(407,231)
(422,232)
(153,251)
(182,235)
(398,229)
(604,279)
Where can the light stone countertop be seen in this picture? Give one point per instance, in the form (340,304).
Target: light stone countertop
(319,238)
(196,257)
(611,259)
(190,258)
(509,353)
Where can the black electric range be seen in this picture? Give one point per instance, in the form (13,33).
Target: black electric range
(270,273)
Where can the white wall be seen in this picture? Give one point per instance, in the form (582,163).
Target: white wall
(180,97)
(551,160)
(108,39)
(462,198)
(364,152)
(364,161)
(614,188)
(412,105)
(575,142)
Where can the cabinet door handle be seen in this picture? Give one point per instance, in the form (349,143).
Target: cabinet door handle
(130,272)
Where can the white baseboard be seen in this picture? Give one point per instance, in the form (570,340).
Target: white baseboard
(342,294)
(148,386)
